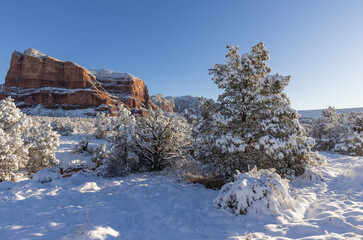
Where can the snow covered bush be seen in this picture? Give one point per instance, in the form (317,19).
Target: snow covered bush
(252,124)
(99,155)
(47,175)
(64,126)
(161,140)
(342,133)
(43,143)
(261,191)
(83,147)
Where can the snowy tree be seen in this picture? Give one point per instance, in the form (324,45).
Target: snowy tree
(161,140)
(13,155)
(43,143)
(350,132)
(12,120)
(327,129)
(122,158)
(254,124)
(342,133)
(24,144)
(99,155)
(14,127)
(101,123)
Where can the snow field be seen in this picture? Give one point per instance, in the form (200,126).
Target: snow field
(159,206)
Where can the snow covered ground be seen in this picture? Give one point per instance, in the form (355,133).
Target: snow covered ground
(160,206)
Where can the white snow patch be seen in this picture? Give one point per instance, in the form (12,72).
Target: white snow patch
(88,187)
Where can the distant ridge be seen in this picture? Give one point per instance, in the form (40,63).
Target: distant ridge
(317,112)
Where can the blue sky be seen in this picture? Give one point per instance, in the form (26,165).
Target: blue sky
(171,44)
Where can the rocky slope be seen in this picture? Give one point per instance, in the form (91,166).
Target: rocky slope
(175,104)
(35,78)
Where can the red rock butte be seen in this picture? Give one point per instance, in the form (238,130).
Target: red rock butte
(35,78)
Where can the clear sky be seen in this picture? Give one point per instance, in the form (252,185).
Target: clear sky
(171,44)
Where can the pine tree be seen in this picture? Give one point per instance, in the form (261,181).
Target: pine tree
(13,156)
(122,159)
(23,143)
(43,143)
(327,129)
(255,124)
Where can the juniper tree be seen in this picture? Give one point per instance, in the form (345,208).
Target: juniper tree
(122,158)
(43,143)
(254,122)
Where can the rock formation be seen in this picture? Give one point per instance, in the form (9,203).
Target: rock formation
(130,90)
(175,104)
(161,102)
(35,78)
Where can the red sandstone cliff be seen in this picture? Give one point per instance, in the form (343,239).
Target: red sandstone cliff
(131,90)
(35,78)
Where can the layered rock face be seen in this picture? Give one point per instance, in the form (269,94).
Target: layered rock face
(130,90)
(35,78)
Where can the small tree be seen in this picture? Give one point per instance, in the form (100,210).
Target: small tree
(350,139)
(254,122)
(43,142)
(161,140)
(23,143)
(341,133)
(121,159)
(326,130)
(101,123)
(13,156)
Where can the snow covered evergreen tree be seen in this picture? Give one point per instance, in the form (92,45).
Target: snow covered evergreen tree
(13,156)
(254,124)
(101,122)
(12,120)
(161,140)
(43,143)
(24,144)
(341,133)
(122,158)
(327,129)
(351,135)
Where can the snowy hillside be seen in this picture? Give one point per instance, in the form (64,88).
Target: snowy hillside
(158,206)
(317,112)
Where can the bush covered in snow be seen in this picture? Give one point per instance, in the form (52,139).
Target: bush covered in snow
(23,142)
(99,155)
(146,143)
(47,175)
(82,147)
(342,133)
(161,140)
(252,123)
(259,191)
